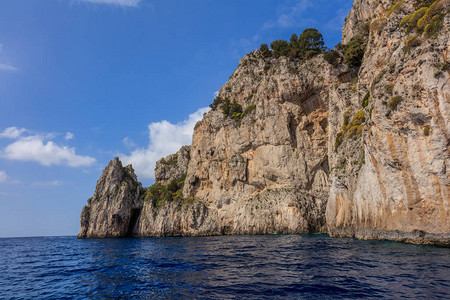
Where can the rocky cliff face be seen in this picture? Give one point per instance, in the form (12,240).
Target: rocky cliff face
(315,147)
(395,185)
(113,210)
(266,171)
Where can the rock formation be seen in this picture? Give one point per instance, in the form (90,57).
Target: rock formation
(311,146)
(114,209)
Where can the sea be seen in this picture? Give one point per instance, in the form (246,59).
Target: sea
(221,267)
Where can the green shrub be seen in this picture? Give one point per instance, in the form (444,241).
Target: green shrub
(350,129)
(412,42)
(422,3)
(249,109)
(332,57)
(359,118)
(438,7)
(216,102)
(393,8)
(310,42)
(426,131)
(280,48)
(235,110)
(265,51)
(339,140)
(307,45)
(161,193)
(354,51)
(366,99)
(394,102)
(431,30)
(410,21)
(226,106)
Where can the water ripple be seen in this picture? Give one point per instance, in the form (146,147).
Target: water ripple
(227,267)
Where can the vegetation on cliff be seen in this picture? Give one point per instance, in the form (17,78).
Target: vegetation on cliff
(307,45)
(161,193)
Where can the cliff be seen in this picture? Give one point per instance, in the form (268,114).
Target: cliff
(316,145)
(391,180)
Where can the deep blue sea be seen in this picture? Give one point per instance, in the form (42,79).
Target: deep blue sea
(224,267)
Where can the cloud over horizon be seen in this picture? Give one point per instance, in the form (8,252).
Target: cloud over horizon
(36,148)
(164,138)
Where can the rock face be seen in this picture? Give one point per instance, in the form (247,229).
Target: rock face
(173,166)
(399,186)
(267,171)
(114,209)
(360,152)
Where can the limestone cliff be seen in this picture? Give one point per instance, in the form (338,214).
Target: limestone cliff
(390,180)
(316,145)
(113,209)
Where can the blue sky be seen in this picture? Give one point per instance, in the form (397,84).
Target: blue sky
(82,81)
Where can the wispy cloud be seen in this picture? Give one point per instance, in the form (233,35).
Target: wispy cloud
(129,142)
(69,136)
(291,16)
(40,149)
(6,67)
(3,176)
(131,3)
(47,183)
(164,138)
(12,132)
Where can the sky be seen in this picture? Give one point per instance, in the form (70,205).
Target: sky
(83,81)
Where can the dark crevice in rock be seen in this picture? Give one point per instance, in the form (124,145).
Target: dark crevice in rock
(293,124)
(135,215)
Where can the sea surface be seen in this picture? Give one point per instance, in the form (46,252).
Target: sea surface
(223,267)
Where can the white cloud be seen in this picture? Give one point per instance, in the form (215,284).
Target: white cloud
(12,132)
(291,16)
(69,136)
(3,176)
(6,67)
(34,148)
(133,3)
(129,142)
(47,183)
(165,138)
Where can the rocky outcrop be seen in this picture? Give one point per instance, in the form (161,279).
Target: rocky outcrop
(115,206)
(173,166)
(310,146)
